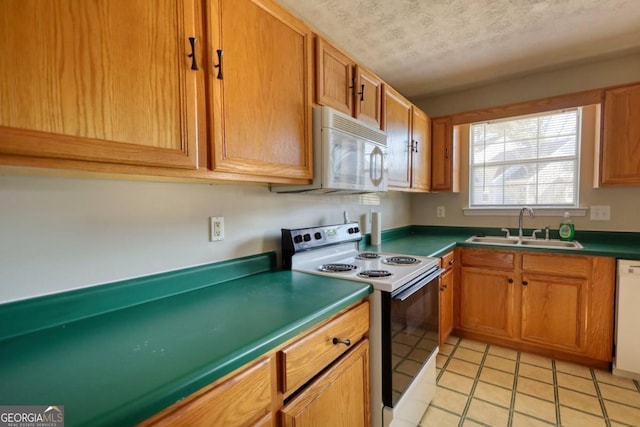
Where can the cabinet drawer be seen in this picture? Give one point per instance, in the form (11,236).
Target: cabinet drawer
(474,257)
(306,357)
(244,399)
(563,265)
(448,260)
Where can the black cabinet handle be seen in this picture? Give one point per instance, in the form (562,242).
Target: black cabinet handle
(192,55)
(219,66)
(353,85)
(415,146)
(446,153)
(525,283)
(339,341)
(361,93)
(510,280)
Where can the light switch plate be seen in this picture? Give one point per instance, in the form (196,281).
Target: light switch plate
(600,213)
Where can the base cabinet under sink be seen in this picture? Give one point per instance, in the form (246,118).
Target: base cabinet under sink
(553,304)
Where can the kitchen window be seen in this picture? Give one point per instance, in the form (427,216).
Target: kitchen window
(528,160)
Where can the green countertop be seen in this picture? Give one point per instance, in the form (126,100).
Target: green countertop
(436,241)
(122,366)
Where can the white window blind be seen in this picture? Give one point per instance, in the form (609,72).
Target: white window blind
(527,160)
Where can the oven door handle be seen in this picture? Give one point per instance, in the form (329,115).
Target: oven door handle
(406,293)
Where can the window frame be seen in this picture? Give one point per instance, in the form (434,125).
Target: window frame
(576,159)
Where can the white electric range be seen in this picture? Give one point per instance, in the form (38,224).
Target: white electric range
(403,318)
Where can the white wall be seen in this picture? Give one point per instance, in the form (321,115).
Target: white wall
(591,75)
(60,233)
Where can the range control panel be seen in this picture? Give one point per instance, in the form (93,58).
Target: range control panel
(301,239)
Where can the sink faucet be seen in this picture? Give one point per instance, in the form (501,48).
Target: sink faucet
(522,211)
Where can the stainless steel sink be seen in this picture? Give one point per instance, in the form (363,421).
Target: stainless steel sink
(527,242)
(493,240)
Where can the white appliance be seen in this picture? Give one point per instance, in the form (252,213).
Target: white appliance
(404,315)
(627,359)
(349,156)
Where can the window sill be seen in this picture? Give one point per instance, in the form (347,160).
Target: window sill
(516,211)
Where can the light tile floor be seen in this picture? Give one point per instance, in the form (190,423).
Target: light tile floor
(486,385)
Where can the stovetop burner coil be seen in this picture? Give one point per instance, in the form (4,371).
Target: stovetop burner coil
(337,268)
(401,260)
(374,273)
(368,255)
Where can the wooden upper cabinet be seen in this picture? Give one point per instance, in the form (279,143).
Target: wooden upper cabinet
(444,167)
(261,94)
(397,124)
(421,154)
(346,86)
(368,97)
(334,77)
(620,144)
(105,81)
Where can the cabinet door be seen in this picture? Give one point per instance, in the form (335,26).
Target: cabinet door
(338,397)
(103,81)
(442,149)
(554,311)
(368,97)
(446,306)
(261,93)
(334,78)
(398,128)
(421,156)
(487,301)
(620,150)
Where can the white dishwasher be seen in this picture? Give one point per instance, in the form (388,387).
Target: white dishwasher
(627,360)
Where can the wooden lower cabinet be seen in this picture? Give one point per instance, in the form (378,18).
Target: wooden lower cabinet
(446,306)
(554,311)
(246,398)
(487,301)
(554,304)
(338,397)
(446,298)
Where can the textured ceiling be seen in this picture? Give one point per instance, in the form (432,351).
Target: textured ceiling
(423,47)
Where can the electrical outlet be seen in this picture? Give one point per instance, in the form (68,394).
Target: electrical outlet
(440,212)
(216,228)
(600,213)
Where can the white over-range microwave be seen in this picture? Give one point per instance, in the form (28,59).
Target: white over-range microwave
(350,156)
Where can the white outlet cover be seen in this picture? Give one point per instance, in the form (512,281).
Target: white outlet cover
(216,228)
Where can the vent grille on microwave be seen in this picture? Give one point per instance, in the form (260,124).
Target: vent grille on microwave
(351,126)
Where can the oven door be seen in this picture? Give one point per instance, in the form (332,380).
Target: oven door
(410,319)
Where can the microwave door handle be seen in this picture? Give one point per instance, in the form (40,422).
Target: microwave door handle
(402,296)
(376,178)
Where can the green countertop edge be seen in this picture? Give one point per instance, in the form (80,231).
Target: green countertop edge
(30,315)
(614,244)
